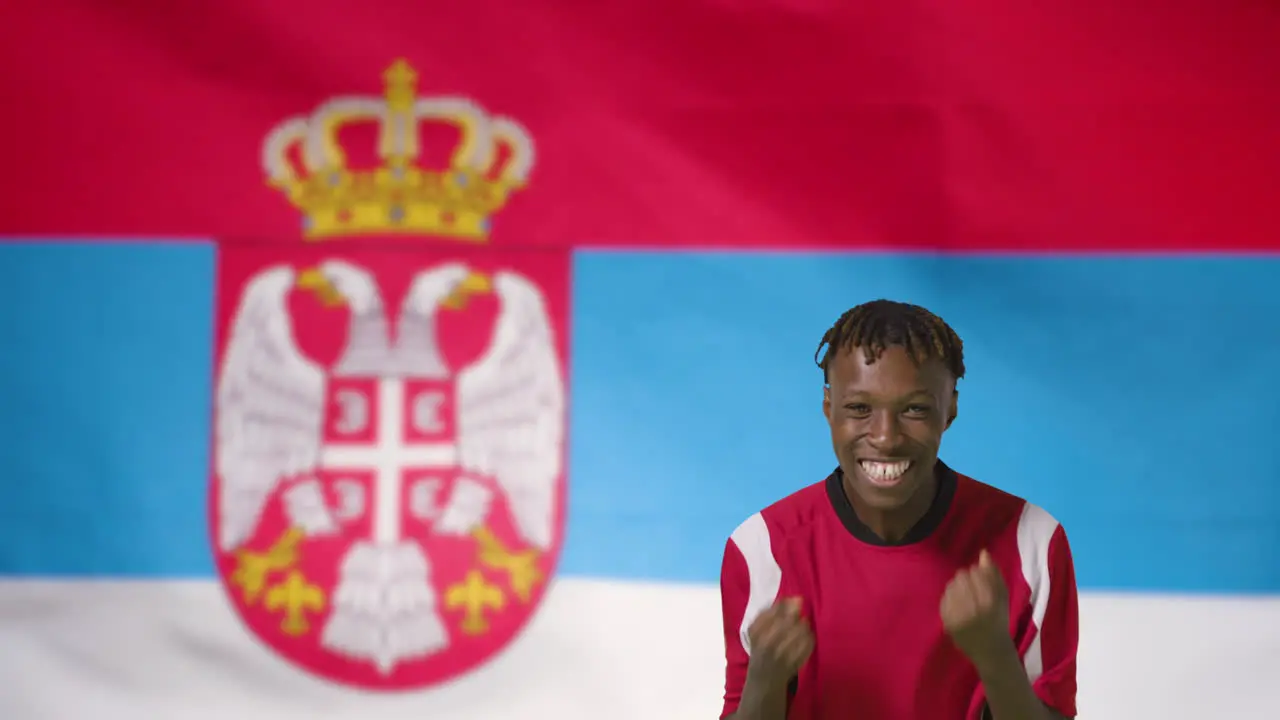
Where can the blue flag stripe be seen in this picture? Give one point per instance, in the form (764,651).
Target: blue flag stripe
(1128,396)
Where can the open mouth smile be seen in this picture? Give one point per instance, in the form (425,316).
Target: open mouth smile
(884,473)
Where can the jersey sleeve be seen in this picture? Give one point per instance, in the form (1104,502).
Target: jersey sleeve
(750,579)
(734,592)
(1051,658)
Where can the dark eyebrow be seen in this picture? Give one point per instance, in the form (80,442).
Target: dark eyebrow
(857,394)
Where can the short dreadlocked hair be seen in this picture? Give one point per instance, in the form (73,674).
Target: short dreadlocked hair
(877,325)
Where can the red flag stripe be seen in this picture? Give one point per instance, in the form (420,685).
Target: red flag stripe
(914,124)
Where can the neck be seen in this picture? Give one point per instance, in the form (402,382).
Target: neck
(893,525)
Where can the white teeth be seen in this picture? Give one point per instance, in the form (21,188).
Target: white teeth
(885,470)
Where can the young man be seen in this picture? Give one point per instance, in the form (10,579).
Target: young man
(897,589)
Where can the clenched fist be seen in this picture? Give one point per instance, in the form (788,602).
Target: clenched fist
(975,610)
(781,642)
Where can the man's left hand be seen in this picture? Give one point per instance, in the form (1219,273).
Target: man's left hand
(975,611)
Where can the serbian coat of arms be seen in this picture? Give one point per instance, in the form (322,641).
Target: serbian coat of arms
(388,484)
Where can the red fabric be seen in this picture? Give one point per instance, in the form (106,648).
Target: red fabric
(734,590)
(880,649)
(963,125)
(1060,632)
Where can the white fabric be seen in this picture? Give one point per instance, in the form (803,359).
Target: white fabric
(628,651)
(753,541)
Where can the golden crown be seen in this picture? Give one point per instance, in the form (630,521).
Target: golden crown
(304,159)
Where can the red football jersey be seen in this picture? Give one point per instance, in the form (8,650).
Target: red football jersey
(880,650)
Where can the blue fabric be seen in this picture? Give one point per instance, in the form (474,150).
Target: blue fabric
(1129,396)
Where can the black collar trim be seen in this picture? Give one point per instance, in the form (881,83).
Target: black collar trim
(947,482)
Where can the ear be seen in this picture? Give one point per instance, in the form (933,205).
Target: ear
(951,412)
(826,402)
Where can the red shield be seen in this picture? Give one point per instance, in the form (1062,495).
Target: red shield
(387,503)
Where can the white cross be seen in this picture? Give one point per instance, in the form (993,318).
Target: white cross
(389,455)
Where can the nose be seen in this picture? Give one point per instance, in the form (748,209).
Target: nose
(884,431)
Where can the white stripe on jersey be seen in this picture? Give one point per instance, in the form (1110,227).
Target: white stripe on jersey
(1035,531)
(753,541)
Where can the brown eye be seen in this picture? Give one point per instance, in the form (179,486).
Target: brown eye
(918,410)
(858,409)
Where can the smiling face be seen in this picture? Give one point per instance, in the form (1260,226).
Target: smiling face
(887,418)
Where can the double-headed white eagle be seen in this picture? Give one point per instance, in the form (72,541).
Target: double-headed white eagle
(271,399)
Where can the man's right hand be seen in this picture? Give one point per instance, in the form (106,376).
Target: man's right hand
(781,642)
